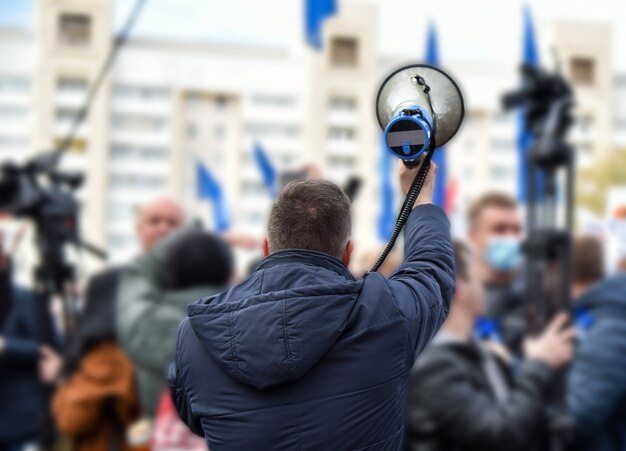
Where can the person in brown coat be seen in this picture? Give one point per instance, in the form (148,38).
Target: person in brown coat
(96,399)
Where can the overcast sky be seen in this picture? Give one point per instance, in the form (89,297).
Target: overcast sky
(473,30)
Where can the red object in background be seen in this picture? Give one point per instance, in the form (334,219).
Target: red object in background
(170,433)
(451,195)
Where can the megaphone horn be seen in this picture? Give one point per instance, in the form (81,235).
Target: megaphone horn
(419,107)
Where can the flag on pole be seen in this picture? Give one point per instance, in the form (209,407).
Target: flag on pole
(524,137)
(268,172)
(209,188)
(386,220)
(315,12)
(439,157)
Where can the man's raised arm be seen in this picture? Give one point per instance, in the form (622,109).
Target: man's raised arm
(423,284)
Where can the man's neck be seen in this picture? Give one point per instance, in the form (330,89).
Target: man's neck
(459,324)
(488,275)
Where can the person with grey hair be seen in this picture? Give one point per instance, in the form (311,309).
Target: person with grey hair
(301,355)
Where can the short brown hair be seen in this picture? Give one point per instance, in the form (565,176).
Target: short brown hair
(310,214)
(498,200)
(587,260)
(461,256)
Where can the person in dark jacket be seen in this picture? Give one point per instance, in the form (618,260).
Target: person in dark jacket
(463,397)
(301,355)
(21,398)
(596,393)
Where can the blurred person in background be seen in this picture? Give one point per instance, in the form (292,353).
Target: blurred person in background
(96,398)
(596,391)
(365,260)
(463,397)
(621,265)
(495,232)
(21,397)
(301,355)
(156,220)
(153,297)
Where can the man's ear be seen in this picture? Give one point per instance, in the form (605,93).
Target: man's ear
(347,253)
(266,247)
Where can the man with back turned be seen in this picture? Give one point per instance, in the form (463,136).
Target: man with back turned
(301,355)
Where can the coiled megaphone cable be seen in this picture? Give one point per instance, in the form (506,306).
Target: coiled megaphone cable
(407,207)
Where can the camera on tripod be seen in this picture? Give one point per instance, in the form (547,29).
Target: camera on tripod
(38,191)
(546,99)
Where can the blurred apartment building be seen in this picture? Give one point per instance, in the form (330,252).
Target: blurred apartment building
(168,105)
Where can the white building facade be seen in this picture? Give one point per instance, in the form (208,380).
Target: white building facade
(167,106)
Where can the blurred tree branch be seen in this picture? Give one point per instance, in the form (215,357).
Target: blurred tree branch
(594,181)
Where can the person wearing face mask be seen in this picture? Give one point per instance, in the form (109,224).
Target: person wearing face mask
(495,228)
(463,397)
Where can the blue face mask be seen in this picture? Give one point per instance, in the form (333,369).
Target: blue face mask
(504,254)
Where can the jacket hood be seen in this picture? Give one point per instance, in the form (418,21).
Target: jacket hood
(275,326)
(608,293)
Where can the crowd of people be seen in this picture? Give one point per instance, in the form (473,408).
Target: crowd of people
(482,382)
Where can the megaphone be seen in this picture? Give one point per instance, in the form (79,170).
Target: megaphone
(419,107)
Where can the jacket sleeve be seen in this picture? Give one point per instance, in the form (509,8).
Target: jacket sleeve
(179,394)
(21,346)
(16,348)
(472,418)
(596,380)
(424,283)
(147,317)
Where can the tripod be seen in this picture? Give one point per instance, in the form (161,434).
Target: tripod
(550,182)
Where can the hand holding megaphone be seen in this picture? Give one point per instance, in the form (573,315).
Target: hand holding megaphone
(407,176)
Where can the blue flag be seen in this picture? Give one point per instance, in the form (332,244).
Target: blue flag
(315,12)
(386,220)
(209,188)
(439,157)
(267,170)
(524,137)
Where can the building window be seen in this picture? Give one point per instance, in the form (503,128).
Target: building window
(71,85)
(281,101)
(74,29)
(67,114)
(221,102)
(12,112)
(502,145)
(341,133)
(131,122)
(582,71)
(585,123)
(339,161)
(13,141)
(14,84)
(344,52)
(500,172)
(192,131)
(125,92)
(124,153)
(219,132)
(342,104)
(121,182)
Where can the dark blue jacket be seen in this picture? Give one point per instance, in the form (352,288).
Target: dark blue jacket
(597,380)
(20,397)
(303,356)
